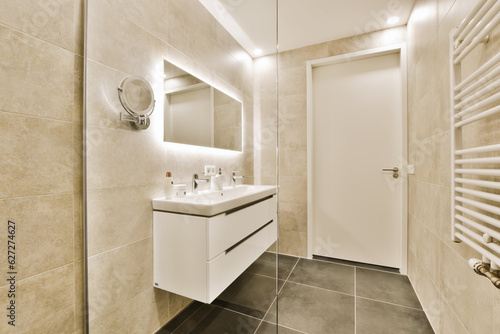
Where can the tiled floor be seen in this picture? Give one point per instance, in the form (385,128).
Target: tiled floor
(316,297)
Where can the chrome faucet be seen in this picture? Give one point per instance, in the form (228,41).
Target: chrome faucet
(235,177)
(196,181)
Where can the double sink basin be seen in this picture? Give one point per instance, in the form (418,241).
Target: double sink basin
(211,203)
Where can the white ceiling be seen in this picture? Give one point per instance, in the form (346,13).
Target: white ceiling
(303,22)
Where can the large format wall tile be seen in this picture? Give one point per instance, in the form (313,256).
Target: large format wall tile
(468,294)
(142,314)
(150,15)
(37,156)
(37,77)
(45,303)
(120,44)
(118,158)
(44,233)
(51,21)
(118,275)
(119,216)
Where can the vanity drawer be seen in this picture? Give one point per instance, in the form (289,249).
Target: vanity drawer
(226,267)
(228,229)
(265,211)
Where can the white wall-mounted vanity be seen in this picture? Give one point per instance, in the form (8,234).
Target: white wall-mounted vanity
(203,242)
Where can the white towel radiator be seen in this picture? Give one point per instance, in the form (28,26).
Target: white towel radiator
(476,170)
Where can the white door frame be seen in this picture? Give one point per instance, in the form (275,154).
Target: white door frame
(392,49)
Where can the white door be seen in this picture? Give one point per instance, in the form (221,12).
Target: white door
(357,132)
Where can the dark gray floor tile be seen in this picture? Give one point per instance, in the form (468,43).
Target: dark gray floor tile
(386,287)
(266,265)
(268,328)
(313,310)
(210,319)
(357,264)
(180,318)
(374,317)
(324,275)
(249,294)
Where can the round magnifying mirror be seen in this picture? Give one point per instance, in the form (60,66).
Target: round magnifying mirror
(137,98)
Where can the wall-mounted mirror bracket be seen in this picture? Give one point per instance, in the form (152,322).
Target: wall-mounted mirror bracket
(137,98)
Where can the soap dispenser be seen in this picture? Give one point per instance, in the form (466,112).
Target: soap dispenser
(217,181)
(168,187)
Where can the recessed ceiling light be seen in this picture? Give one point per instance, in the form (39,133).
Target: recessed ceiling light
(393,20)
(257,52)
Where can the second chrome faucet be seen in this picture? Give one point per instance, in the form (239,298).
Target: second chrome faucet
(197,181)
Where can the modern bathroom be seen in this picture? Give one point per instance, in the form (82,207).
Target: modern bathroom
(250,166)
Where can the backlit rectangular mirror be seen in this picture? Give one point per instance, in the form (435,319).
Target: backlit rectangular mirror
(199,114)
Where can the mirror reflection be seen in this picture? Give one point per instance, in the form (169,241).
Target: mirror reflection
(199,114)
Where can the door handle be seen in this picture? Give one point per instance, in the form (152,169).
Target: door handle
(394,171)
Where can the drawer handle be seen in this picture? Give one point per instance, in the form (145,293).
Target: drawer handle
(247,205)
(246,238)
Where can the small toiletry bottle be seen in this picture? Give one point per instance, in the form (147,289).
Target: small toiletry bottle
(168,187)
(179,190)
(217,181)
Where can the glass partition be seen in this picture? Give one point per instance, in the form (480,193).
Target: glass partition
(152,266)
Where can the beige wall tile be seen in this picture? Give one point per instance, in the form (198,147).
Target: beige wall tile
(45,303)
(293,162)
(430,204)
(79,295)
(413,233)
(195,11)
(51,21)
(468,294)
(118,275)
(423,24)
(293,189)
(496,305)
(143,314)
(430,108)
(119,216)
(293,136)
(120,44)
(428,294)
(78,243)
(292,81)
(431,157)
(293,108)
(177,303)
(119,158)
(293,243)
(443,8)
(426,71)
(293,217)
(265,81)
(79,31)
(44,238)
(150,15)
(191,38)
(37,76)
(78,158)
(428,252)
(37,156)
(299,57)
(78,90)
(450,323)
